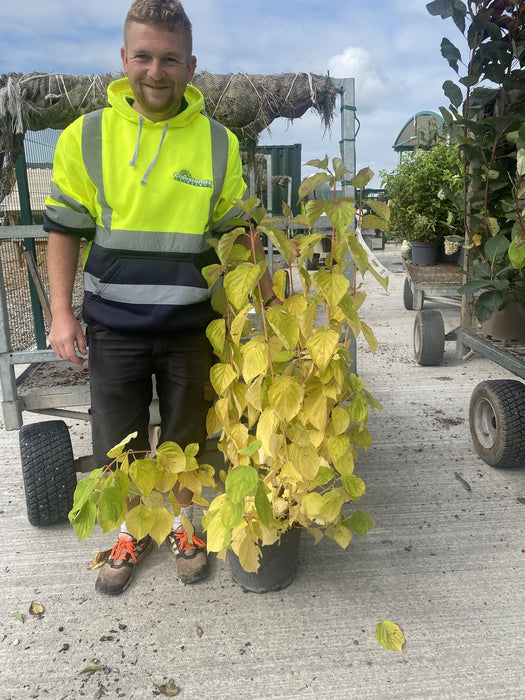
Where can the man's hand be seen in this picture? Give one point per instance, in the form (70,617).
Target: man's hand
(67,339)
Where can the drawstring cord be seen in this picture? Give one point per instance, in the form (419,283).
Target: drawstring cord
(133,161)
(150,166)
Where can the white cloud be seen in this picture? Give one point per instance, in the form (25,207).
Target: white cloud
(358,63)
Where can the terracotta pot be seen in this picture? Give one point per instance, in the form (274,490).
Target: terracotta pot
(507,323)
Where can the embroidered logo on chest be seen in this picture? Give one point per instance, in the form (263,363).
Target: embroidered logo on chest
(186,177)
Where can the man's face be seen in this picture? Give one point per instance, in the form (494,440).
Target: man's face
(158,65)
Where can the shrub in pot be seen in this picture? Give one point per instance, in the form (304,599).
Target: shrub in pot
(417,193)
(291,417)
(486,120)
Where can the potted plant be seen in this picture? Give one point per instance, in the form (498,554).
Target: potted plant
(291,418)
(485,118)
(421,211)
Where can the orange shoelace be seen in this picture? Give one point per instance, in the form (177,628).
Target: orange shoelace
(183,543)
(122,548)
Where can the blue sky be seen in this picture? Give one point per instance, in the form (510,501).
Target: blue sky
(390,47)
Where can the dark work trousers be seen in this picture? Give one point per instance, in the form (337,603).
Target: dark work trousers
(121,368)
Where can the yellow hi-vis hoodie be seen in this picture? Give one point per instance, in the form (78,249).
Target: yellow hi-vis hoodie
(148,195)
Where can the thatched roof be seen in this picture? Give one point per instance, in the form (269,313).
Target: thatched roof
(247,104)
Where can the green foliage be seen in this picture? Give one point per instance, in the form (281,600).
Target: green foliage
(137,487)
(417,193)
(486,120)
(290,416)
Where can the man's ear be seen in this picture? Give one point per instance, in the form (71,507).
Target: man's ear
(124,57)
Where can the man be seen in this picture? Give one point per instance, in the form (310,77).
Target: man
(147,182)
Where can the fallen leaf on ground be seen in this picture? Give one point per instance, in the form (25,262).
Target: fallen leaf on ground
(18,616)
(92,669)
(35,608)
(390,636)
(99,559)
(169,689)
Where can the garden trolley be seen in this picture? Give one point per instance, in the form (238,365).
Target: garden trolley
(33,379)
(497,407)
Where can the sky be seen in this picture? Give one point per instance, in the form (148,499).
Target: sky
(390,47)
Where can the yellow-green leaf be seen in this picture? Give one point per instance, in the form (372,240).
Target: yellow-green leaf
(262,504)
(369,336)
(240,481)
(217,535)
(340,534)
(285,325)
(361,523)
(390,636)
(279,283)
(112,510)
(331,505)
(340,420)
(162,524)
(255,359)
(35,608)
(359,408)
(332,285)
(216,334)
(165,481)
(240,283)
(144,474)
(311,504)
(221,376)
(226,243)
(139,521)
(338,446)
(341,213)
(354,486)
(305,460)
(171,457)
(266,431)
(322,345)
(118,449)
(285,397)
(316,407)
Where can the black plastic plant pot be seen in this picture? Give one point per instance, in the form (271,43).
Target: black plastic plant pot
(278,565)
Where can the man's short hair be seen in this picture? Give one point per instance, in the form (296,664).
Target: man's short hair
(166,13)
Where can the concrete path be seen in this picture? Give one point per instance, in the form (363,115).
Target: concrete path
(445,563)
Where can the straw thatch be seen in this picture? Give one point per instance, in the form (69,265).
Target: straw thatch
(247,104)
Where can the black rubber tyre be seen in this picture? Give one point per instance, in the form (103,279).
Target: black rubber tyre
(408,296)
(429,337)
(497,422)
(48,469)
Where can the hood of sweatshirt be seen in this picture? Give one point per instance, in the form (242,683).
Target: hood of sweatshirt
(120,97)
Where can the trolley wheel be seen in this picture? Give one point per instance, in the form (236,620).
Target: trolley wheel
(497,422)
(408,296)
(429,337)
(48,469)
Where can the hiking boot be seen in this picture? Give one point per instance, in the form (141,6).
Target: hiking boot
(191,559)
(118,571)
